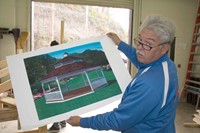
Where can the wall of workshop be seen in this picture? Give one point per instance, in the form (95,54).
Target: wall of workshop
(15,14)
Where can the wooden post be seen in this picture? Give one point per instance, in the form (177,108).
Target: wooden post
(62,32)
(42,129)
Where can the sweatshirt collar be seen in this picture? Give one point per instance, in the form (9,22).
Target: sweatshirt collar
(161,59)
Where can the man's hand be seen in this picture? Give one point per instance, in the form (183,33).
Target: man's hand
(74,120)
(114,37)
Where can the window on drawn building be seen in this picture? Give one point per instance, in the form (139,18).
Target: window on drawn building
(80,22)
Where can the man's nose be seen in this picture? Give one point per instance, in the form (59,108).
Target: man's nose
(140,46)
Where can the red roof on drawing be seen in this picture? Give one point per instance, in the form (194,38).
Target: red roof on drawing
(68,68)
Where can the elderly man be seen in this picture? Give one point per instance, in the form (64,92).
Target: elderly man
(150,100)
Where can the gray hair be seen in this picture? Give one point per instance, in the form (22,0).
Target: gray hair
(163,28)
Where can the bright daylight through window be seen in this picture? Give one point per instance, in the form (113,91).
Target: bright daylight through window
(80,22)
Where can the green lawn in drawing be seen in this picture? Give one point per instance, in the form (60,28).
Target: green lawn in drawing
(48,110)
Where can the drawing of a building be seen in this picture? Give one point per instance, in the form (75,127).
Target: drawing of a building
(73,78)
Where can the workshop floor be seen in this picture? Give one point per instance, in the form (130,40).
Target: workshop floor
(184,114)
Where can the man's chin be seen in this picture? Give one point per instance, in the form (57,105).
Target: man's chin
(141,60)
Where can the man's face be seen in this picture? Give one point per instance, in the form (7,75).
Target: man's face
(150,38)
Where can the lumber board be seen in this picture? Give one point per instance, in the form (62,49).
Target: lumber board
(191,125)
(4,72)
(197,116)
(195,119)
(198,111)
(3,64)
(8,101)
(42,129)
(7,114)
(5,86)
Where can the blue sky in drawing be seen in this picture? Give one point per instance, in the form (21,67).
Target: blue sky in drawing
(78,49)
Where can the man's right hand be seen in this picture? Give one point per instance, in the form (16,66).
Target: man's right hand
(114,37)
(74,120)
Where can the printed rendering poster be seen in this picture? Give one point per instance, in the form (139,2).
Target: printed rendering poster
(74,77)
(68,79)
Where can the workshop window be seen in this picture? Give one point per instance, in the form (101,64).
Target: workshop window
(80,22)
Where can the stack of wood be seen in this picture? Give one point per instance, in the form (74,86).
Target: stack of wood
(197,117)
(196,123)
(8,110)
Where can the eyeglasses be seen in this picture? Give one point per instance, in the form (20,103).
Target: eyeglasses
(146,46)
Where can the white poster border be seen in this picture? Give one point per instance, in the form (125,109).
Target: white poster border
(23,95)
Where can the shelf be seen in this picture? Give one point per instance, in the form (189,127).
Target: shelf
(194,72)
(194,63)
(196,43)
(194,88)
(197,24)
(193,81)
(194,53)
(196,34)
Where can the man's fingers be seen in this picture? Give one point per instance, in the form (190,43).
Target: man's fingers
(74,120)
(111,34)
(114,37)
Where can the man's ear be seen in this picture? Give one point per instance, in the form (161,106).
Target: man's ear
(165,48)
